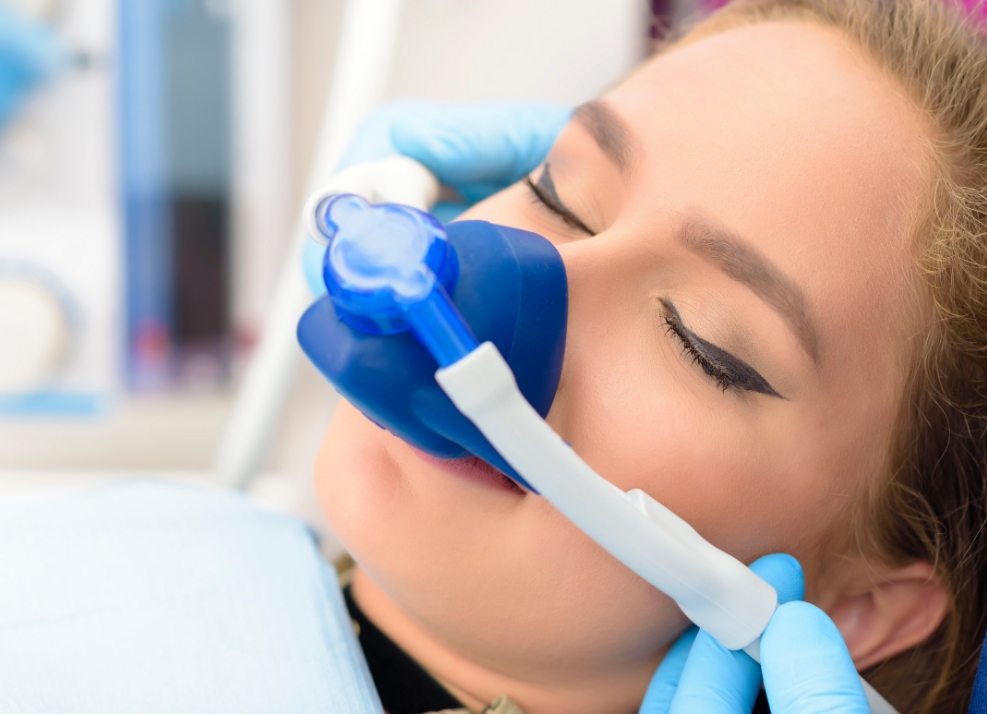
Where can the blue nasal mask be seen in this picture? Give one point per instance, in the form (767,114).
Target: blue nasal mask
(397,281)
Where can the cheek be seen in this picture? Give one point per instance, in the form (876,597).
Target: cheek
(355,481)
(748,489)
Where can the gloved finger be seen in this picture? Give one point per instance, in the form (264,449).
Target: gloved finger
(658,698)
(784,573)
(721,681)
(806,665)
(477,143)
(716,680)
(372,140)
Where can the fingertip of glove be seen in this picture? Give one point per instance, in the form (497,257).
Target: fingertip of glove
(805,624)
(784,573)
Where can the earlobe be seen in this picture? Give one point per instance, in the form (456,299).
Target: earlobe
(890,612)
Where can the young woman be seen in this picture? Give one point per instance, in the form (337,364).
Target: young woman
(775,234)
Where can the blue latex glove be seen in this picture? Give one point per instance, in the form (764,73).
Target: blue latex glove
(804,661)
(29,54)
(476,149)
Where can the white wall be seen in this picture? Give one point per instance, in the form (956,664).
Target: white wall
(558,50)
(561,50)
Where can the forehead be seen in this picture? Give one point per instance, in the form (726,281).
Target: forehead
(786,133)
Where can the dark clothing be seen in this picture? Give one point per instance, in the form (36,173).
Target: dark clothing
(404,687)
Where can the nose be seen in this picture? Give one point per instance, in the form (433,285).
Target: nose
(611,278)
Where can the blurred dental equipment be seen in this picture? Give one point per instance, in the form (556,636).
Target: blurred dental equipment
(405,295)
(122,183)
(58,298)
(29,54)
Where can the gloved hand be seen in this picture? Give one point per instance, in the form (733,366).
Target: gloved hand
(29,54)
(804,661)
(476,149)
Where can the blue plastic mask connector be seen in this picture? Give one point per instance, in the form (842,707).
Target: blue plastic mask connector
(390,269)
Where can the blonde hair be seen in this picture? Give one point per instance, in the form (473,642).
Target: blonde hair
(932,505)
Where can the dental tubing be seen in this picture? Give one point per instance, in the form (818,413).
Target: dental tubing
(390,269)
(715,590)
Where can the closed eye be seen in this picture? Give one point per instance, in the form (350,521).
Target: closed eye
(545,195)
(723,368)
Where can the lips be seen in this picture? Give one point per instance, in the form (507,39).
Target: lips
(473,469)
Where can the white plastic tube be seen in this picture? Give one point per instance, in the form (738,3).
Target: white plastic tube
(714,590)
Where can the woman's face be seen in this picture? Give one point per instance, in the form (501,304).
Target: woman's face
(737,320)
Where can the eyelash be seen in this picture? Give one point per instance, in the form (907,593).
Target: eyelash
(539,198)
(723,380)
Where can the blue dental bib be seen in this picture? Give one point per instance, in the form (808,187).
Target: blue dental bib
(510,287)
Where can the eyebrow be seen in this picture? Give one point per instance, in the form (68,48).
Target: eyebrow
(744,263)
(608,130)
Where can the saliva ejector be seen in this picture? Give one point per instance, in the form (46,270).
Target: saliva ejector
(452,338)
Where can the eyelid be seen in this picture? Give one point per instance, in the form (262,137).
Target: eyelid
(556,206)
(736,373)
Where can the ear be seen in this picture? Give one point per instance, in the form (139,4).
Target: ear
(885,613)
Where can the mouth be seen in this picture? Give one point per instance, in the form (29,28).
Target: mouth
(473,469)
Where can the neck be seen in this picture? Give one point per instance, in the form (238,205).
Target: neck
(476,686)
